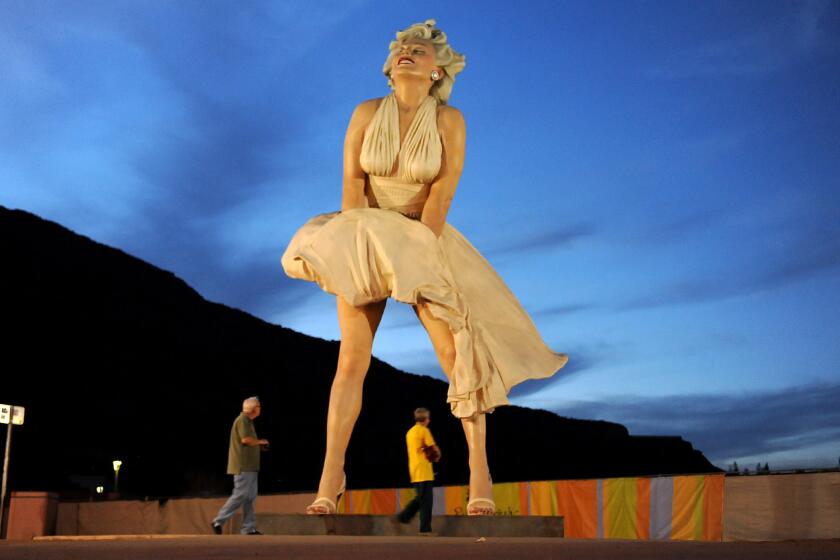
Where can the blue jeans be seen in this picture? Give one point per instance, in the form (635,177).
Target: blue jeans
(244,495)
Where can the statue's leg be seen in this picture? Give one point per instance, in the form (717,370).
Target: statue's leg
(358,326)
(475,428)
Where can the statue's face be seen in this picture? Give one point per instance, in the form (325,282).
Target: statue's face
(414,58)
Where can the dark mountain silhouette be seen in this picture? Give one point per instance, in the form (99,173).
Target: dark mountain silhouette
(115,358)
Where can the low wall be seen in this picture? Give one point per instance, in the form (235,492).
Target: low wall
(31,514)
(183,516)
(701,507)
(782,507)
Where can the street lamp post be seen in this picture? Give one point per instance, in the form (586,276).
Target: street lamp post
(117,465)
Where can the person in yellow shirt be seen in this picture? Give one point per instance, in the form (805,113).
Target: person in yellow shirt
(417,440)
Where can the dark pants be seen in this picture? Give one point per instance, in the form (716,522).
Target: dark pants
(422,502)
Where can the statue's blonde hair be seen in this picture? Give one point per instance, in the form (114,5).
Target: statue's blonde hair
(451,62)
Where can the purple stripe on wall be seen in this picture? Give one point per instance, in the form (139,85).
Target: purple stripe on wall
(661,507)
(599,533)
(439,505)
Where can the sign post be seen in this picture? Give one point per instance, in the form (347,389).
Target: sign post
(11,415)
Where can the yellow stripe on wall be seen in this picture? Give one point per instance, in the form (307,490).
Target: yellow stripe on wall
(341,506)
(543,498)
(506,496)
(698,508)
(620,508)
(687,508)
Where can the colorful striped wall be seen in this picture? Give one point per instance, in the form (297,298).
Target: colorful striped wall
(679,507)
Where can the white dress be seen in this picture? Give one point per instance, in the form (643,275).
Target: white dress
(369,254)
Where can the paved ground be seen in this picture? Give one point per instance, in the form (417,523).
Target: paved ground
(410,548)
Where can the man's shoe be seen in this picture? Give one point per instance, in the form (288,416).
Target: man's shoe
(254,532)
(217,529)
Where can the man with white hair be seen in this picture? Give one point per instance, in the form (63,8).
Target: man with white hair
(244,465)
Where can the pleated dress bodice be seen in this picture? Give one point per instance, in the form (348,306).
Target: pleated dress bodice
(399,176)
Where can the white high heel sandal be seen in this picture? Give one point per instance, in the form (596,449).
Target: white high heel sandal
(325,506)
(489,509)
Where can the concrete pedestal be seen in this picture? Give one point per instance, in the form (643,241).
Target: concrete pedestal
(383,525)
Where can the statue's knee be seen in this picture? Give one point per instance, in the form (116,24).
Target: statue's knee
(352,367)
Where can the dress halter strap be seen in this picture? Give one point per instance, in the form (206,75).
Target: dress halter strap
(418,159)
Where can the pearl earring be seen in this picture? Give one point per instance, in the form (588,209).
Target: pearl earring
(435,75)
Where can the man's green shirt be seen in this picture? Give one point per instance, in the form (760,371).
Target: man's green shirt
(243,458)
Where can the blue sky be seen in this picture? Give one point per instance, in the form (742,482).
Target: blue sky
(656,181)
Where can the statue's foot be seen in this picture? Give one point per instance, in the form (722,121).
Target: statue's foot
(325,506)
(481,506)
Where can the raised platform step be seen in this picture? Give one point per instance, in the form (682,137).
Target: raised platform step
(383,525)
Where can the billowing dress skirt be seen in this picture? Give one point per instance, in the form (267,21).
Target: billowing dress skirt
(366,255)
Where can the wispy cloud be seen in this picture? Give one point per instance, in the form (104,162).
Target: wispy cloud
(423,363)
(192,139)
(817,25)
(782,253)
(727,427)
(403,324)
(426,364)
(750,55)
(563,310)
(580,361)
(780,43)
(676,228)
(545,239)
(262,287)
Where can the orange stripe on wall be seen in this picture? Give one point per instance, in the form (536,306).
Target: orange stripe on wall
(406,495)
(577,502)
(523,499)
(713,508)
(456,500)
(643,508)
(383,502)
(360,502)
